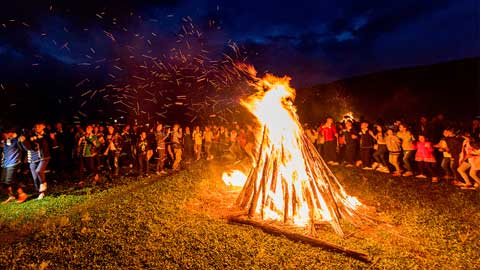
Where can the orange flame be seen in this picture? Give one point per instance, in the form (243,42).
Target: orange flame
(235,178)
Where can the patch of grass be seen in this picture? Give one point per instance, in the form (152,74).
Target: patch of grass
(174,222)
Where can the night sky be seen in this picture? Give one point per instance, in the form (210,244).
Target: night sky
(311,41)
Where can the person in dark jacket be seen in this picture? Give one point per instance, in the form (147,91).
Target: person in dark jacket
(11,161)
(88,145)
(38,154)
(351,144)
(367,141)
(454,147)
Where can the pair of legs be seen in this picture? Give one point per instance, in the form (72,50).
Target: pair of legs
(380,154)
(143,164)
(393,159)
(9,180)
(427,168)
(88,163)
(197,148)
(330,149)
(407,161)
(112,162)
(365,156)
(38,174)
(177,159)
(462,170)
(161,156)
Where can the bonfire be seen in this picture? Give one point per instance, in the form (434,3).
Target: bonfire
(289,181)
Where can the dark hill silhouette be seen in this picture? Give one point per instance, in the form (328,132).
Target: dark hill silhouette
(452,88)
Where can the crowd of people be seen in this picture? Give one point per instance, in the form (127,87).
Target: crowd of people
(81,154)
(426,149)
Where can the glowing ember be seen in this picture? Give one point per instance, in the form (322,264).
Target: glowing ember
(235,178)
(289,182)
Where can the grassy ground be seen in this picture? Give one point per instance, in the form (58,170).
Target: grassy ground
(175,222)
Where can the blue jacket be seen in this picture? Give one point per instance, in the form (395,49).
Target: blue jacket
(12,153)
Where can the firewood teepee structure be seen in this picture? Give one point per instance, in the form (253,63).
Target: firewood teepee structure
(289,181)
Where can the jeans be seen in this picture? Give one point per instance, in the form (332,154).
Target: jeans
(112,162)
(38,172)
(379,155)
(407,159)
(448,166)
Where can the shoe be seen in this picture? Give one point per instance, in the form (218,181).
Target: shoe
(163,172)
(384,170)
(396,174)
(335,163)
(457,183)
(375,165)
(358,163)
(10,199)
(434,179)
(22,197)
(408,173)
(367,168)
(349,165)
(420,176)
(41,196)
(43,187)
(330,162)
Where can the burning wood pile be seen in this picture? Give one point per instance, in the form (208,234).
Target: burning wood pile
(289,181)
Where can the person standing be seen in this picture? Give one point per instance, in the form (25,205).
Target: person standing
(351,144)
(367,141)
(160,139)
(394,147)
(38,156)
(88,145)
(113,142)
(425,159)
(197,139)
(408,146)
(11,161)
(143,146)
(176,139)
(380,151)
(188,145)
(208,140)
(329,133)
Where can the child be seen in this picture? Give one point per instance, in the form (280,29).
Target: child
(425,159)
(394,150)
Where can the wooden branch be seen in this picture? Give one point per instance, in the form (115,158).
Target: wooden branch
(300,238)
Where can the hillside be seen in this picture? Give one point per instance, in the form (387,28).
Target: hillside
(452,88)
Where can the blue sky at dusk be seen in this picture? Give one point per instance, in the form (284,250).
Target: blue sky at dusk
(312,41)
